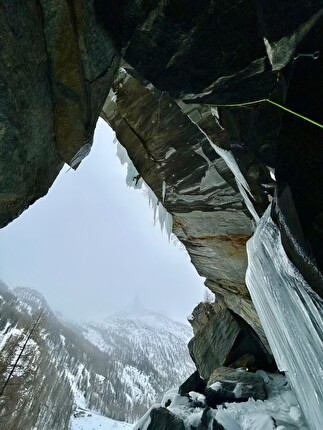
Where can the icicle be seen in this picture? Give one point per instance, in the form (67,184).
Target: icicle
(122,154)
(134,180)
(153,201)
(291,315)
(169,225)
(243,186)
(215,113)
(161,215)
(163,190)
(80,155)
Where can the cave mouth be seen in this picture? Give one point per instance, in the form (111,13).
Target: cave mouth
(90,246)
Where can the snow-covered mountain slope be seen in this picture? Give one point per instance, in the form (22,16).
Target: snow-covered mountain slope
(148,355)
(87,420)
(117,367)
(141,333)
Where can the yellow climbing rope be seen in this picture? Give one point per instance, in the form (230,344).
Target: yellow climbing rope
(272,102)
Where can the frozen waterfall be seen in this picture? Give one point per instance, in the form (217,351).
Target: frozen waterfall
(291,315)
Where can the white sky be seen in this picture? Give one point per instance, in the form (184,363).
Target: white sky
(90,246)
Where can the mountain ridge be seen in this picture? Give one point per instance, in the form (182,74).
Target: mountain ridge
(119,380)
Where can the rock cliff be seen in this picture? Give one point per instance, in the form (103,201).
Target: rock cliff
(215,168)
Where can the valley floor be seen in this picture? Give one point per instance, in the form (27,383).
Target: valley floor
(87,420)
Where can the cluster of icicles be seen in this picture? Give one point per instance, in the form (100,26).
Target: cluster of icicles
(161,215)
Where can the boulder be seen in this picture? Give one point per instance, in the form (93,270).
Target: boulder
(192,383)
(211,346)
(163,419)
(208,421)
(234,385)
(225,339)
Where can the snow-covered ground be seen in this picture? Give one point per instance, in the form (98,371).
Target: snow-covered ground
(87,420)
(280,411)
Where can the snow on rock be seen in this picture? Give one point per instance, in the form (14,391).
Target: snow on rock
(198,398)
(216,386)
(279,411)
(144,421)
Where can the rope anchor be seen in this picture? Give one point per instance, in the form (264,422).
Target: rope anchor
(314,56)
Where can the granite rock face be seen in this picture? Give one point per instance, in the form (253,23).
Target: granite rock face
(56,67)
(58,61)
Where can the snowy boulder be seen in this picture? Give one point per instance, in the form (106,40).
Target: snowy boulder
(163,419)
(208,421)
(192,383)
(234,385)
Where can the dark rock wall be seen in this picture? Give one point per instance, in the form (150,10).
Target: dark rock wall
(56,67)
(29,161)
(207,55)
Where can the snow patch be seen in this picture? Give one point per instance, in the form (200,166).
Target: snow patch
(84,419)
(169,152)
(144,421)
(217,386)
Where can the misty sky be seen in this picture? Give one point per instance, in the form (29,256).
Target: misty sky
(90,246)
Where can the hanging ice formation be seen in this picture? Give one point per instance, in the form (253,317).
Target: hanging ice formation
(80,155)
(133,180)
(291,315)
(242,184)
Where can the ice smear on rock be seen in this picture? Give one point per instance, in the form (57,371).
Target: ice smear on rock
(230,161)
(291,315)
(243,186)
